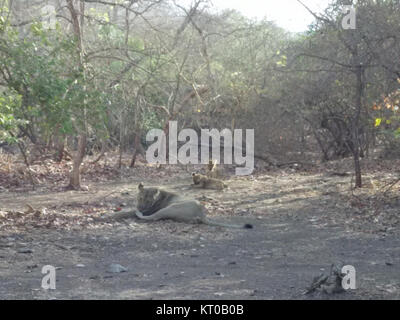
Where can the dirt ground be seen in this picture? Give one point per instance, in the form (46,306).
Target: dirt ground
(303,222)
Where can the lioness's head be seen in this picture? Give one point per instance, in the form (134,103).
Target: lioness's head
(196,178)
(147,197)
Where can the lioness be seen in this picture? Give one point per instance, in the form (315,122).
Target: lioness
(157,204)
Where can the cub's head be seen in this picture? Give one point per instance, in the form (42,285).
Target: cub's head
(212,164)
(147,197)
(197,178)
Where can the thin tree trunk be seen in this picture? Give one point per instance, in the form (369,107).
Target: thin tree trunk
(356,123)
(121,138)
(138,149)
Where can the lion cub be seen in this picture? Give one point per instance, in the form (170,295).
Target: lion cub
(204,182)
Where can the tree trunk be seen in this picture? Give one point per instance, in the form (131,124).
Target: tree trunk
(75,176)
(77,19)
(356,123)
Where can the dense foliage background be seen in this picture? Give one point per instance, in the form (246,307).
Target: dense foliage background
(94,75)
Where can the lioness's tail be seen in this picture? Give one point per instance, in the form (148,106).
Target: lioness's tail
(226,225)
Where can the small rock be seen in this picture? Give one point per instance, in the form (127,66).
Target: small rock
(116,268)
(25,250)
(80,265)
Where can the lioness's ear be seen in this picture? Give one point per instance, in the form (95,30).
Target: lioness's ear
(193,174)
(141,186)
